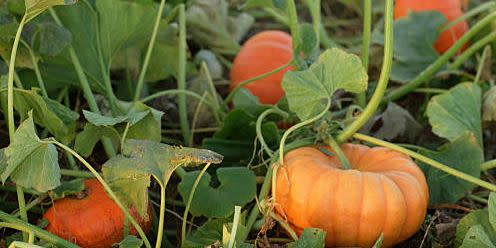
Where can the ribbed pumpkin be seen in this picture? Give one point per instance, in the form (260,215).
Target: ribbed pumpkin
(451,9)
(384,192)
(94,221)
(263,53)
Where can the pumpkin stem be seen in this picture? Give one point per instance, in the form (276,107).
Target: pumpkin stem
(342,157)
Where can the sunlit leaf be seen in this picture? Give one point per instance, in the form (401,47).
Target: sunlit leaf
(36,7)
(308,91)
(237,187)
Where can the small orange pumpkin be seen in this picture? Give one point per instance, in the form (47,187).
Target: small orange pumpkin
(384,192)
(263,53)
(451,9)
(94,221)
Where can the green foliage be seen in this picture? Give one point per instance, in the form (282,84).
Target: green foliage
(31,163)
(212,233)
(478,228)
(131,242)
(129,174)
(457,111)
(36,7)
(310,238)
(67,188)
(414,38)
(91,134)
(463,154)
(210,18)
(237,186)
(309,91)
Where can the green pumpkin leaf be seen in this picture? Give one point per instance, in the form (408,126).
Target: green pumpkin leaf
(478,228)
(53,39)
(457,111)
(130,179)
(91,134)
(57,118)
(308,91)
(414,38)
(478,217)
(212,232)
(477,237)
(131,242)
(310,238)
(67,188)
(257,4)
(31,162)
(463,154)
(237,188)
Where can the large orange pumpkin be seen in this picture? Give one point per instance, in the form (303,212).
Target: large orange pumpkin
(263,53)
(451,9)
(94,221)
(384,192)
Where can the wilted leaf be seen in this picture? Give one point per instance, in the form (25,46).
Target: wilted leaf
(463,154)
(395,122)
(456,111)
(209,18)
(237,187)
(308,91)
(36,7)
(130,178)
(32,163)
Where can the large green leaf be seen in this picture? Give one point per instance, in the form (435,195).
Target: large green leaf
(414,38)
(31,162)
(456,111)
(478,228)
(310,238)
(91,134)
(463,154)
(237,187)
(308,91)
(57,118)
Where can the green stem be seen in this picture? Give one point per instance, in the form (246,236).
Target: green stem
(383,79)
(188,203)
(482,62)
(427,74)
(468,14)
(339,152)
(314,8)
(234,230)
(367,27)
(20,225)
(430,90)
(85,86)
(233,92)
(123,139)
(488,165)
(471,50)
(161,218)
(33,203)
(294,27)
(259,127)
(181,75)
(276,15)
(428,161)
(149,50)
(36,68)
(285,225)
(108,190)
(297,126)
(213,92)
(478,199)
(76,173)
(10,112)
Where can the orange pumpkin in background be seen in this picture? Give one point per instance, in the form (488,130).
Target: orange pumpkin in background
(451,9)
(263,53)
(384,192)
(94,221)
